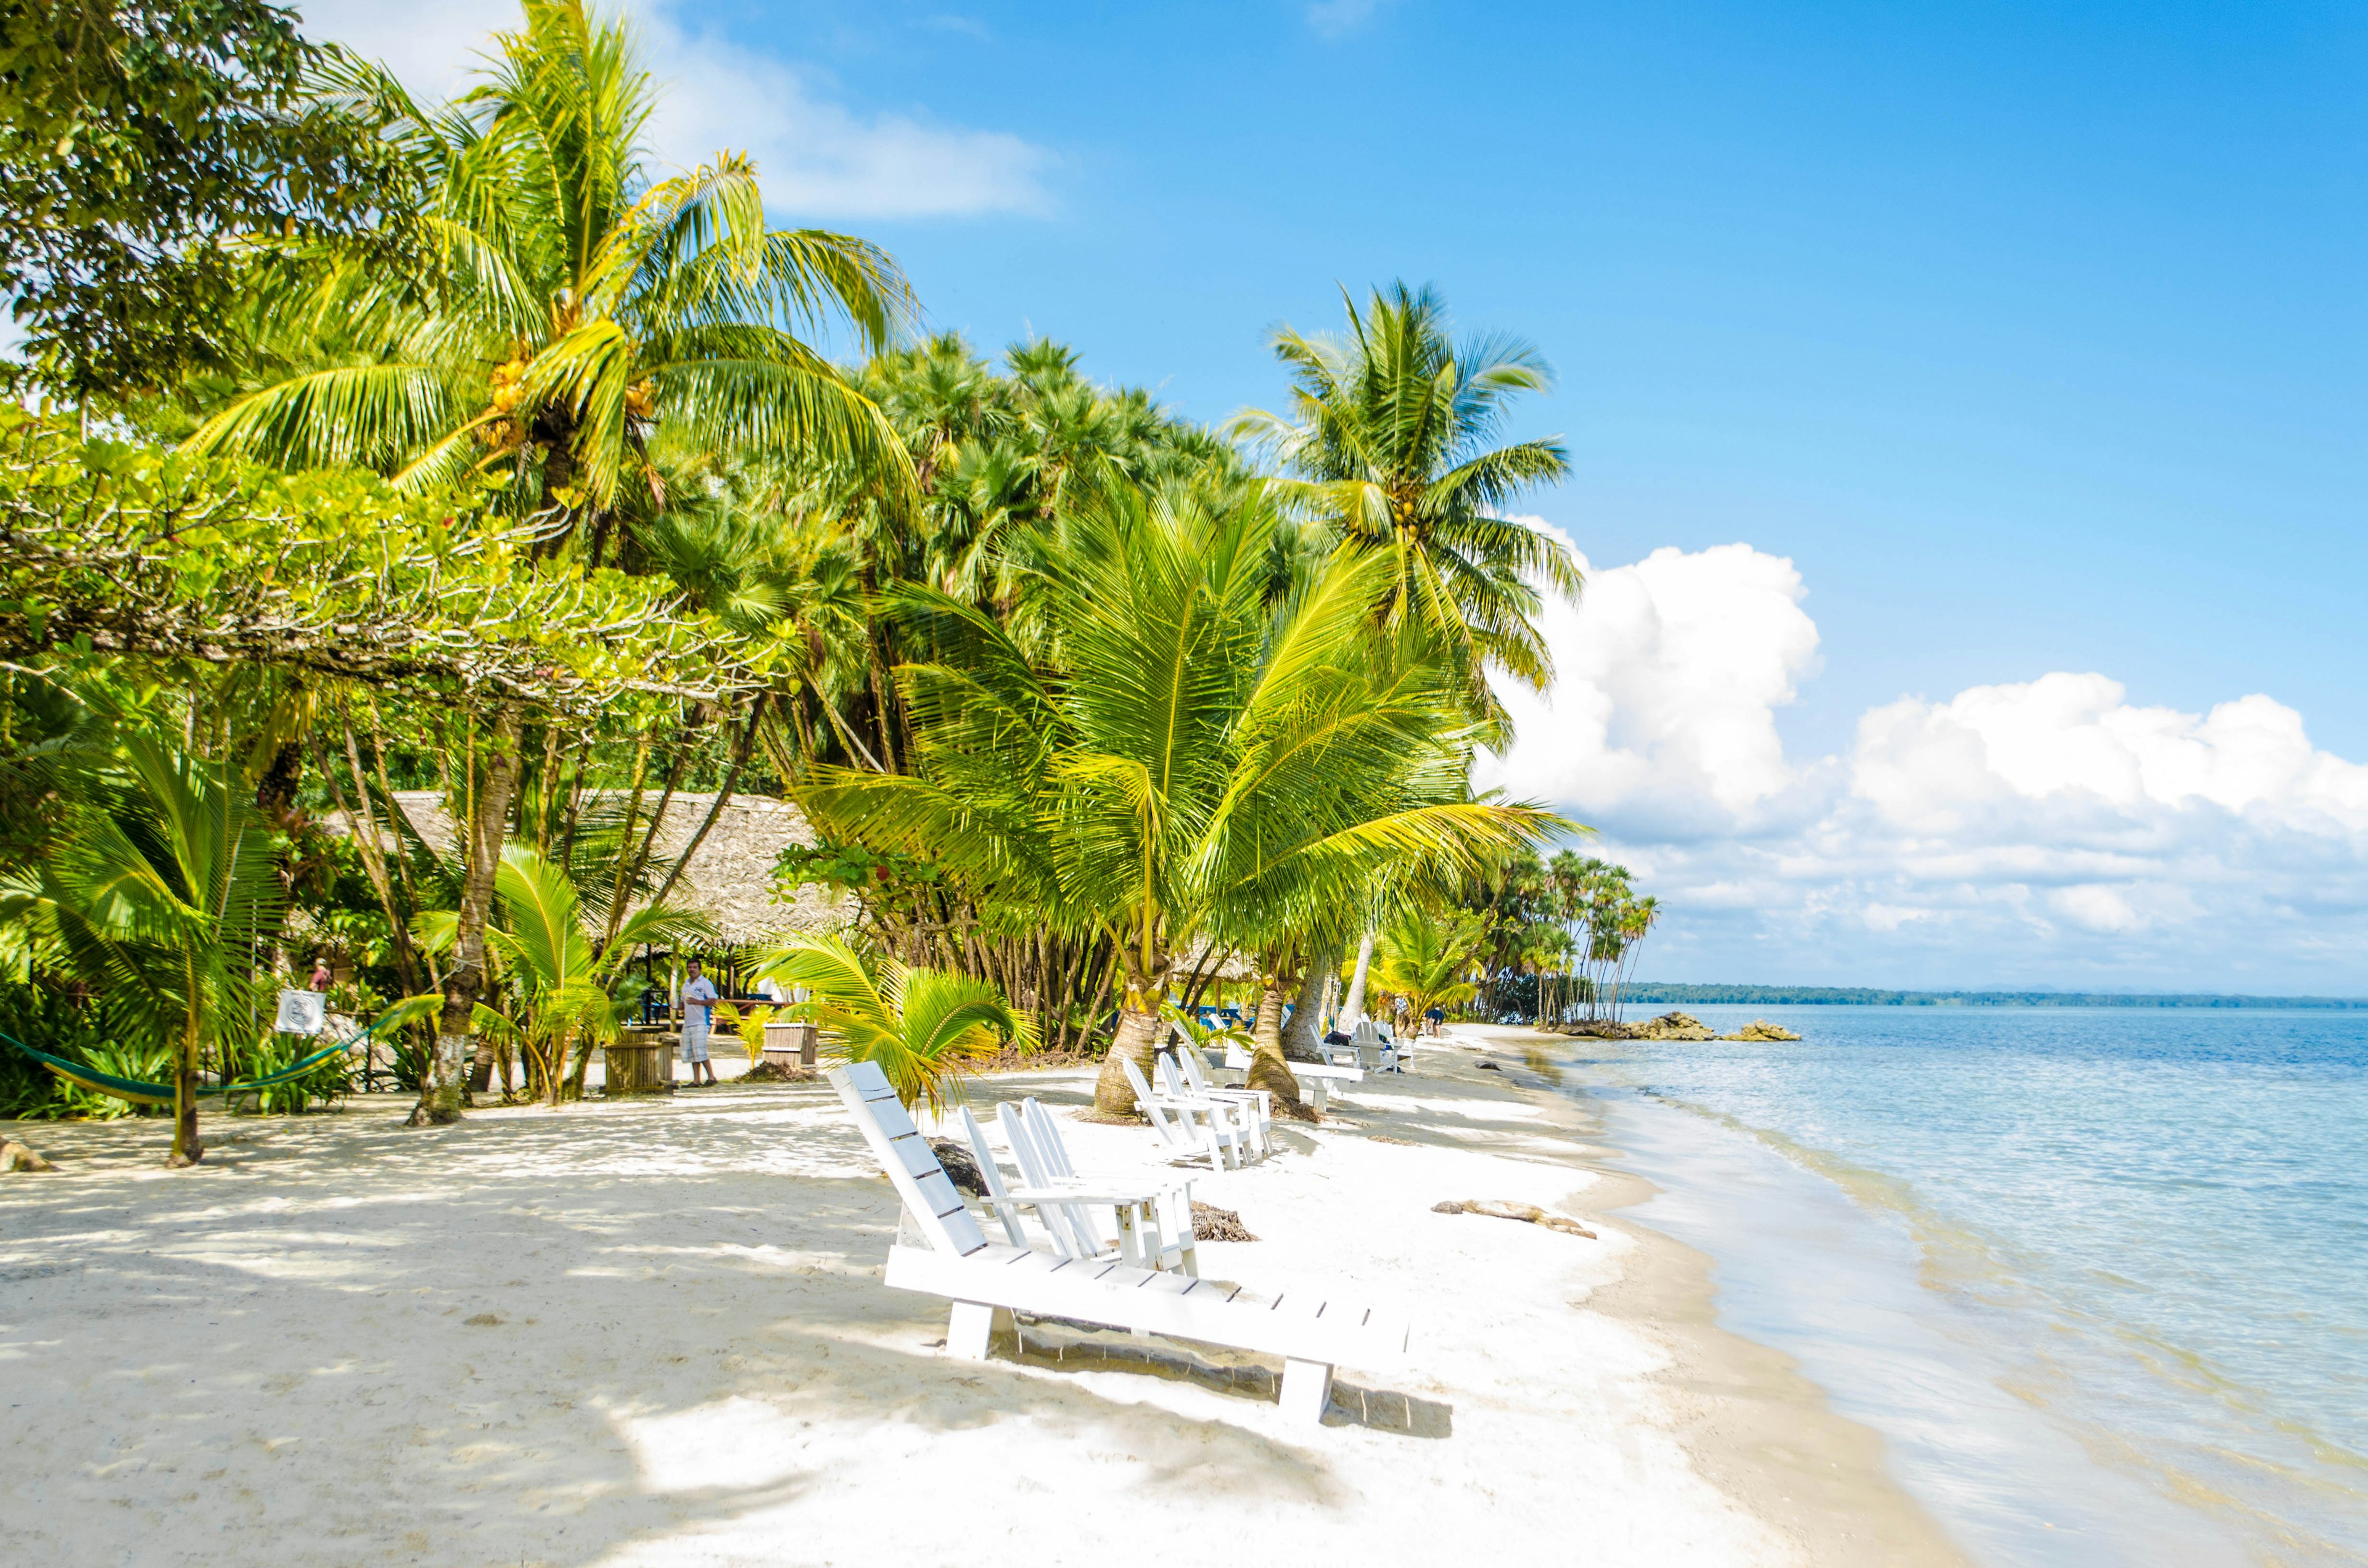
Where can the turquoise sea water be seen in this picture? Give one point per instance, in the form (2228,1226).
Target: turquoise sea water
(2101,1275)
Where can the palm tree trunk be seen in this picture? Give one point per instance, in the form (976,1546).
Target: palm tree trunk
(1269,1071)
(440,1085)
(1352,1007)
(1306,1030)
(1140,1028)
(187,1150)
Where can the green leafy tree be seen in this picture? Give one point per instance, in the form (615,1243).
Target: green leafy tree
(923,1027)
(158,157)
(561,984)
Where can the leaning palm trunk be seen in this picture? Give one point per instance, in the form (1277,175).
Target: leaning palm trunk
(1306,1030)
(456,1029)
(1352,1006)
(1269,1071)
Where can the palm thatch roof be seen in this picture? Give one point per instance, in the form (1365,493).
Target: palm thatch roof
(730,880)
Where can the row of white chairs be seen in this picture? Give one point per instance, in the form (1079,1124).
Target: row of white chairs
(1313,1331)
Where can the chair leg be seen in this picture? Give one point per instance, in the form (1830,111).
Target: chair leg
(968,1330)
(1307,1391)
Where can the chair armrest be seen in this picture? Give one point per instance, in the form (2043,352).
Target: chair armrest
(1077,1195)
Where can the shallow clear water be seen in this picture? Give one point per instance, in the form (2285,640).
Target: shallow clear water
(2102,1274)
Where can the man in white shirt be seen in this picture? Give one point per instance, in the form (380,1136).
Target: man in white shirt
(698,996)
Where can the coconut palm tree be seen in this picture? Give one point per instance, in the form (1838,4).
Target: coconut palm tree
(161,897)
(924,1028)
(580,305)
(1425,962)
(1189,761)
(1390,431)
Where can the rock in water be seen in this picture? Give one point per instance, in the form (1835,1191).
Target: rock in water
(1760,1029)
(1676,1025)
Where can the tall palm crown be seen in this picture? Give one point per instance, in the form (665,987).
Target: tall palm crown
(579,304)
(1390,431)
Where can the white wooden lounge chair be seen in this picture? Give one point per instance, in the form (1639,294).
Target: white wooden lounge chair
(1312,1332)
(1376,1051)
(1240,1105)
(1191,1129)
(1258,1105)
(1318,1079)
(1142,1215)
(1165,1231)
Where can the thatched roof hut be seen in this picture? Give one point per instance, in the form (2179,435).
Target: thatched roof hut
(730,880)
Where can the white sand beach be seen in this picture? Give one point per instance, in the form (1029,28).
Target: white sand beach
(655,1333)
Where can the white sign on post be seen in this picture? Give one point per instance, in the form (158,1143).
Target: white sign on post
(302,1012)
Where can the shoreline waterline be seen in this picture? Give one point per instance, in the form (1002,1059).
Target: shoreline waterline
(2028,1249)
(1755,1423)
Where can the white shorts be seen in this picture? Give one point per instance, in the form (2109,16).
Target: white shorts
(694,1042)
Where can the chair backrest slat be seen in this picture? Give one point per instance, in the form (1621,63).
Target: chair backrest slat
(906,1155)
(1072,1229)
(992,1174)
(1170,1133)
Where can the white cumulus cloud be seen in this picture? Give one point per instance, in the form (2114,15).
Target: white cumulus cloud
(1668,678)
(819,158)
(2044,832)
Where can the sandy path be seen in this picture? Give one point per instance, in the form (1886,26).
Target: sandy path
(653,1333)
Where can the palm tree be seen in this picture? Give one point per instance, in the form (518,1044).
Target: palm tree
(1188,761)
(579,305)
(1390,431)
(924,1028)
(1426,961)
(161,899)
(561,982)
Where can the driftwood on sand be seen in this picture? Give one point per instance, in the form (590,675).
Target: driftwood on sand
(1497,1209)
(14,1156)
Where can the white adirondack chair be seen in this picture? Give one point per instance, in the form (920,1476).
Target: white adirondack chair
(1165,1224)
(1200,1131)
(1312,1333)
(1258,1105)
(1318,1079)
(1376,1050)
(1248,1107)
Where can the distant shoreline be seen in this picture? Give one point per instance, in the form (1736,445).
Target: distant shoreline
(1854,997)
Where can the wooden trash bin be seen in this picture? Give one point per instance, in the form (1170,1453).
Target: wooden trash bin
(790,1044)
(641,1063)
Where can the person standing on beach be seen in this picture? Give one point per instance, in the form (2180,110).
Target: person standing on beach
(698,997)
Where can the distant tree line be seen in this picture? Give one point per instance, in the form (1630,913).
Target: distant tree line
(1859,996)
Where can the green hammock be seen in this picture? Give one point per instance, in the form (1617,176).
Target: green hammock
(140,1093)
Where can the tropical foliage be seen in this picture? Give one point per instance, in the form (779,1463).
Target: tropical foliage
(923,1027)
(508,498)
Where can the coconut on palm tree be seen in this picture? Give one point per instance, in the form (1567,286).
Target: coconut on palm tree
(578,305)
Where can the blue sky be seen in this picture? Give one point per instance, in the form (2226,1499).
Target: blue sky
(2031,336)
